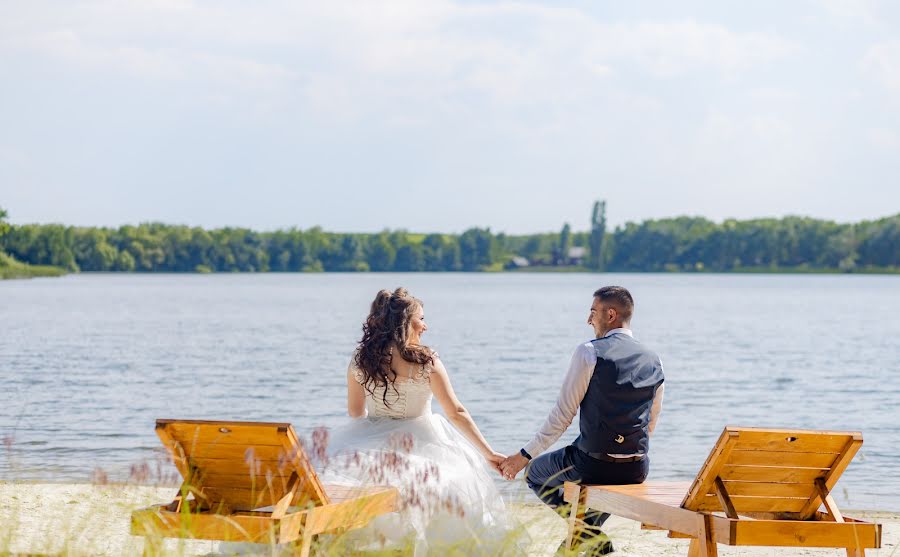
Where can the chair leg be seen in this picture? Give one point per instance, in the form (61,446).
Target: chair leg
(856,552)
(576,519)
(705,545)
(694,548)
(302,550)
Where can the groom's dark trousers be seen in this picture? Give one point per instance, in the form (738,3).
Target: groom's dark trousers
(547,473)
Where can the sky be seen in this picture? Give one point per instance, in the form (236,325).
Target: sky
(440,115)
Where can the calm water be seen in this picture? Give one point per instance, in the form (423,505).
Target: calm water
(89,362)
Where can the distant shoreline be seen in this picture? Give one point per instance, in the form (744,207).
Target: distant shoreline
(790,245)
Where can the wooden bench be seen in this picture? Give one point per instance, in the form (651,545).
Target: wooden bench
(758,487)
(251,481)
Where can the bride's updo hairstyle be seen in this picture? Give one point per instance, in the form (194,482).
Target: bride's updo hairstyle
(388,325)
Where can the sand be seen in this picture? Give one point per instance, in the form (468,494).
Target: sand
(87,519)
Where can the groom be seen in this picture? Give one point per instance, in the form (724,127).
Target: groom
(617,383)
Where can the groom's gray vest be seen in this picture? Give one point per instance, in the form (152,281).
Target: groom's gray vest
(615,411)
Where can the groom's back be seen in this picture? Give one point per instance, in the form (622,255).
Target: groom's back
(615,411)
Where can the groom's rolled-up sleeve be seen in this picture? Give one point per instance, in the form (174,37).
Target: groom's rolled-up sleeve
(574,386)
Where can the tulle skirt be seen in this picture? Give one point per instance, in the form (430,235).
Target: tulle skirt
(449,502)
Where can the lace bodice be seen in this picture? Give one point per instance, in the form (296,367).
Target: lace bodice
(411,399)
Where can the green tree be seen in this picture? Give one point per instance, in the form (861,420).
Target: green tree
(125,262)
(565,242)
(598,234)
(380,254)
(92,251)
(410,258)
(879,244)
(4,226)
(477,249)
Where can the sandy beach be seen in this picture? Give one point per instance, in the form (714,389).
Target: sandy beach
(87,519)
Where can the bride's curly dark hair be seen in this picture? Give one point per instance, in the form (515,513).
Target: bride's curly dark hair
(388,325)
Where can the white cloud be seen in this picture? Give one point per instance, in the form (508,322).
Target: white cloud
(882,61)
(885,139)
(369,54)
(673,48)
(851,11)
(153,62)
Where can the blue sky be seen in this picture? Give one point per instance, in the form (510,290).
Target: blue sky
(440,115)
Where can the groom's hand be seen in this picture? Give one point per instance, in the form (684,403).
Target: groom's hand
(512,465)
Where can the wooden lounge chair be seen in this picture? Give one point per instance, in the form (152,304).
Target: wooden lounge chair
(758,487)
(232,470)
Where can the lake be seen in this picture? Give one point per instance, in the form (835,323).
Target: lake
(90,361)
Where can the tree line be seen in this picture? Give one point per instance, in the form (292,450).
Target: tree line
(672,244)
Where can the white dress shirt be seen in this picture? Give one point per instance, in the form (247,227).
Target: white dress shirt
(574,387)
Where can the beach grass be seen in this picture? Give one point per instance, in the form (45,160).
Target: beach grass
(76,520)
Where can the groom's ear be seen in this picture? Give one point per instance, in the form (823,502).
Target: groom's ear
(612,313)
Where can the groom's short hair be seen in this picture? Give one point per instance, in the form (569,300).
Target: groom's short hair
(617,296)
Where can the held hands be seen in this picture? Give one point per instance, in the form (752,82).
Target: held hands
(512,465)
(494,459)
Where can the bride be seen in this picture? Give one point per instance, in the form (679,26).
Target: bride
(448,498)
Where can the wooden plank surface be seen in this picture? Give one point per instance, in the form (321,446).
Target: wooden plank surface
(240,459)
(242,468)
(311,488)
(238,452)
(277,482)
(779,440)
(848,451)
(763,489)
(158,522)
(351,513)
(242,499)
(772,474)
(743,505)
(781,458)
(710,469)
(654,503)
(793,533)
(341,493)
(191,434)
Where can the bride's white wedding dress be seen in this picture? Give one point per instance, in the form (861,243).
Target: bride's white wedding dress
(448,496)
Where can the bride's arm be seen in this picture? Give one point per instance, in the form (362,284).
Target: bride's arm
(356,396)
(456,412)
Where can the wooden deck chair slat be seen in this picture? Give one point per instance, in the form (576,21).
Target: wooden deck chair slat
(791,441)
(772,474)
(176,451)
(310,490)
(742,457)
(745,504)
(797,533)
(241,453)
(222,466)
(661,492)
(193,435)
(629,503)
(848,451)
(761,489)
(243,499)
(710,469)
(243,481)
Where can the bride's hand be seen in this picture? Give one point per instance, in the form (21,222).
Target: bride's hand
(494,459)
